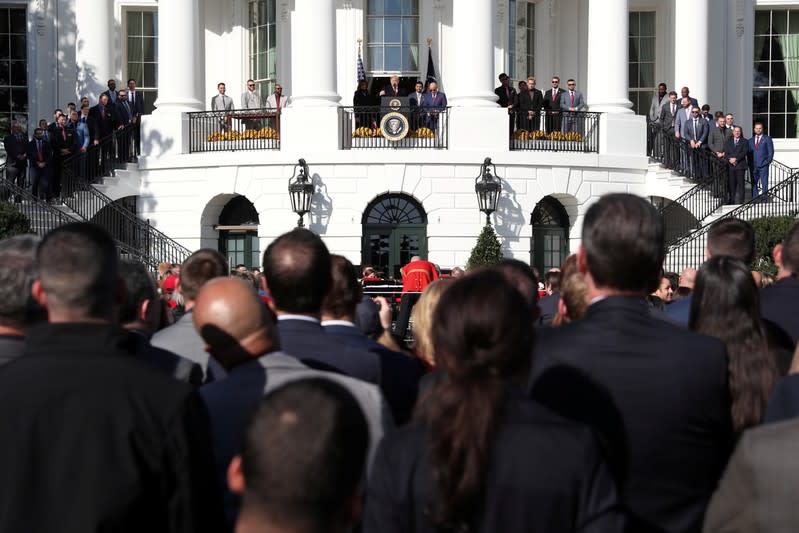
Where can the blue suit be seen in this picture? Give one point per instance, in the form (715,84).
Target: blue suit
(759,160)
(431,107)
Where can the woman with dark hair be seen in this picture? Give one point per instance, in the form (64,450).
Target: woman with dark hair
(480,456)
(725,304)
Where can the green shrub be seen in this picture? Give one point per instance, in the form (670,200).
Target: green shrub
(12,222)
(487,251)
(769,231)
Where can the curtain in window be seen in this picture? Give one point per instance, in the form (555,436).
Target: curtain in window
(790,54)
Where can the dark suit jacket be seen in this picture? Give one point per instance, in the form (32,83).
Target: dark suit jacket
(761,157)
(137,107)
(390,92)
(308,342)
(784,401)
(506,99)
(92,439)
(104,123)
(531,100)
(549,105)
(667,118)
(121,114)
(758,490)
(399,374)
(779,304)
(545,474)
(658,396)
(58,142)
(11,347)
(14,148)
(33,154)
(739,151)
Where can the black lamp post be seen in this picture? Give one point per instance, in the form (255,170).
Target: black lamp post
(487,186)
(301,191)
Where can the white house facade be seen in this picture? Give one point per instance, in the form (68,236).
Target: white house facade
(382,203)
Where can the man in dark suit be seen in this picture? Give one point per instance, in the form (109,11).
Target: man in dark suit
(735,151)
(180,338)
(548,305)
(507,98)
(136,101)
(552,105)
(140,313)
(124,134)
(668,119)
(111,93)
(399,374)
(65,145)
(761,153)
(530,103)
(694,132)
(297,276)
(758,489)
(240,333)
(40,155)
(16,146)
(779,303)
(393,88)
(92,439)
(617,369)
(433,102)
(104,121)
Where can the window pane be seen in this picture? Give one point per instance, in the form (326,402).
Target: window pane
(19,100)
(410,31)
(375,58)
(647,23)
(374,30)
(793,22)
(633,30)
(5,99)
(647,49)
(136,71)
(393,7)
(777,126)
(777,101)
(647,74)
(779,22)
(762,22)
(393,58)
(149,48)
(17,21)
(18,47)
(633,73)
(4,20)
(5,73)
(150,76)
(760,102)
(393,30)
(148,23)
(19,73)
(375,7)
(634,54)
(411,58)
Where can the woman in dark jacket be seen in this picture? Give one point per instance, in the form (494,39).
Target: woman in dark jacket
(481,457)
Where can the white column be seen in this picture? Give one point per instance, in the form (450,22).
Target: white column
(94,50)
(691,47)
(313,54)
(469,83)
(180,57)
(608,56)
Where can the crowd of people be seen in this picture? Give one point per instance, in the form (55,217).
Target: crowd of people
(84,135)
(278,400)
(686,136)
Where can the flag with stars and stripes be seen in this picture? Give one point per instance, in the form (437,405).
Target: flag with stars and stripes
(361,70)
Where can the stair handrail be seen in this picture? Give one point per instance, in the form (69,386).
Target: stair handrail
(141,239)
(784,191)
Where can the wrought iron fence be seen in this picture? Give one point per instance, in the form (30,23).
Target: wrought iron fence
(238,129)
(42,216)
(566,131)
(781,200)
(418,127)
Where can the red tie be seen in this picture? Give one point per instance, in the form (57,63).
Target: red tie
(757,142)
(554,94)
(40,150)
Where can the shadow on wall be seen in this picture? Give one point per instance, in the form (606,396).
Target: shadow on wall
(509,216)
(321,207)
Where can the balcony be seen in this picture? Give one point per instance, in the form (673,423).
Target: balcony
(239,129)
(569,131)
(414,128)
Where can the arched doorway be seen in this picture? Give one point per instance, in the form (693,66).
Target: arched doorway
(238,233)
(394,230)
(550,244)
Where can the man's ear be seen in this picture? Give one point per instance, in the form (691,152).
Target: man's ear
(777,254)
(37,291)
(582,263)
(143,308)
(235,476)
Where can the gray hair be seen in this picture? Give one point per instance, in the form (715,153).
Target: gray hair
(17,271)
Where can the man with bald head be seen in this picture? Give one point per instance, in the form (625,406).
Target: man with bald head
(240,333)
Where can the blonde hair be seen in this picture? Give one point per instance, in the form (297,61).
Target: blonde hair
(422,316)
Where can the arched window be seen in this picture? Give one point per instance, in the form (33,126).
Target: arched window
(394,230)
(238,233)
(550,244)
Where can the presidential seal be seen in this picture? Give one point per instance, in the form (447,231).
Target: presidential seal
(394,126)
(395,104)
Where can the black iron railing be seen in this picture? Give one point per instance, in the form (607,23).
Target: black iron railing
(781,200)
(43,217)
(567,131)
(137,237)
(426,128)
(239,129)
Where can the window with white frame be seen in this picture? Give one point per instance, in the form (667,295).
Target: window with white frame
(13,68)
(521,40)
(142,54)
(263,45)
(392,37)
(775,94)
(642,60)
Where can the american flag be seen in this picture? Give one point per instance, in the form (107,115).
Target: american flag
(361,70)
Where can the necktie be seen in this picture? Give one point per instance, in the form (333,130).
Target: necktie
(695,129)
(736,142)
(40,150)
(757,142)
(554,94)
(507,92)
(572,97)
(672,109)
(133,98)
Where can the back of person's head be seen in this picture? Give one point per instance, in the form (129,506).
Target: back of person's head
(298,272)
(574,295)
(139,287)
(521,276)
(552,280)
(78,266)
(345,291)
(790,250)
(725,304)
(422,318)
(481,348)
(623,243)
(732,237)
(233,321)
(302,459)
(198,269)
(248,277)
(18,309)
